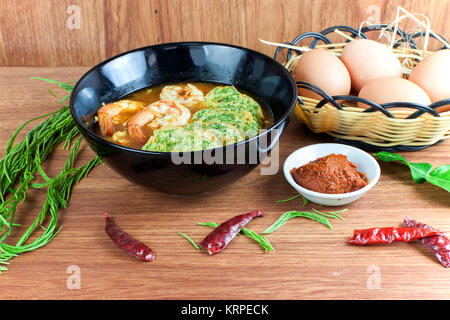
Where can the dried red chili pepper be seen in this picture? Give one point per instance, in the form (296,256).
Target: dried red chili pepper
(389,235)
(219,238)
(439,245)
(127,243)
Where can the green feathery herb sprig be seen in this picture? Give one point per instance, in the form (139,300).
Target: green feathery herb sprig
(305,201)
(316,216)
(18,168)
(262,240)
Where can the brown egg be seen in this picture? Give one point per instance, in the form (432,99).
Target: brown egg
(367,60)
(443,109)
(392,89)
(433,75)
(325,70)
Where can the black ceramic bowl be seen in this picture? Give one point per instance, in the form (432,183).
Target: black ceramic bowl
(187,172)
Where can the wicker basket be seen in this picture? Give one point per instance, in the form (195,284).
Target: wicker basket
(379,127)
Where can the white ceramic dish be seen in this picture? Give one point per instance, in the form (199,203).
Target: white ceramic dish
(364,161)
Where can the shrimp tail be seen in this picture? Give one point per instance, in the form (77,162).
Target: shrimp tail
(137,133)
(137,122)
(105,124)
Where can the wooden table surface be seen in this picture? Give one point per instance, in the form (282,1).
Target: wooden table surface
(310,262)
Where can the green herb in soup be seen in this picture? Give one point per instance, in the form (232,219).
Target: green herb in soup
(230,97)
(182,117)
(229,133)
(241,119)
(192,136)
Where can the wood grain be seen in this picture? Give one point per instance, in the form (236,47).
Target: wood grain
(34,32)
(310,262)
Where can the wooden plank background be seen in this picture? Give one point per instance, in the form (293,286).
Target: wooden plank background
(35,32)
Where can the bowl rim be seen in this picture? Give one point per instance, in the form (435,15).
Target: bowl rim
(98,138)
(373,164)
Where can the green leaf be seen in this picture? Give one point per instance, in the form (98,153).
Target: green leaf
(421,172)
(388,156)
(440,176)
(418,170)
